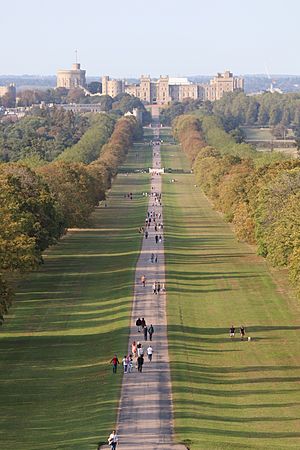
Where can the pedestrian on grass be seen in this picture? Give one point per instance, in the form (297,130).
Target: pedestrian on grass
(150,353)
(113,440)
(150,332)
(138,324)
(242,332)
(114,361)
(232,331)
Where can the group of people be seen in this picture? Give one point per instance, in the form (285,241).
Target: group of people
(129,195)
(142,327)
(157,287)
(242,332)
(135,358)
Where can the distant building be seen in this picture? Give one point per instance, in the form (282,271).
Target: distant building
(71,79)
(112,87)
(222,83)
(167,89)
(137,113)
(9,89)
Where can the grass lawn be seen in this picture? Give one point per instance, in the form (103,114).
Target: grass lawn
(227,394)
(258,134)
(57,389)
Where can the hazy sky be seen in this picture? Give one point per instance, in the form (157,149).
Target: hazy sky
(126,38)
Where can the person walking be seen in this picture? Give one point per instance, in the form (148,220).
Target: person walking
(143,280)
(242,332)
(158,287)
(146,234)
(125,363)
(113,440)
(150,332)
(130,364)
(149,353)
(140,363)
(140,350)
(143,322)
(156,259)
(138,324)
(114,361)
(134,348)
(154,288)
(145,333)
(156,238)
(232,331)
(152,257)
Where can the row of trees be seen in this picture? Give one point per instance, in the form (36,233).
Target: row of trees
(120,104)
(260,197)
(269,109)
(38,205)
(45,132)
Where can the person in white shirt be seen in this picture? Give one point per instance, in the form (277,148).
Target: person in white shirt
(150,353)
(113,440)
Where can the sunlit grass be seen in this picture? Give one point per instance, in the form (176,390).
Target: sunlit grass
(69,318)
(227,394)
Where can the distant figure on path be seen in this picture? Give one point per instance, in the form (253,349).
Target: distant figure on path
(143,322)
(150,331)
(232,332)
(138,324)
(150,353)
(145,333)
(130,363)
(143,280)
(140,363)
(140,350)
(114,361)
(113,440)
(125,363)
(154,288)
(156,238)
(152,257)
(134,348)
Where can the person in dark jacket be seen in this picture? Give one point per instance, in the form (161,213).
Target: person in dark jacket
(138,324)
(150,331)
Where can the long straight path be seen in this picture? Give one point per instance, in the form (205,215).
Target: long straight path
(145,418)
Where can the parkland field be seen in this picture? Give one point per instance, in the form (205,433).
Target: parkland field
(227,393)
(68,320)
(56,387)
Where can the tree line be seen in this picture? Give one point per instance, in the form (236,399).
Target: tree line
(38,205)
(269,109)
(258,194)
(43,133)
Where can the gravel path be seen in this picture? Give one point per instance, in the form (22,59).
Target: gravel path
(145,418)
